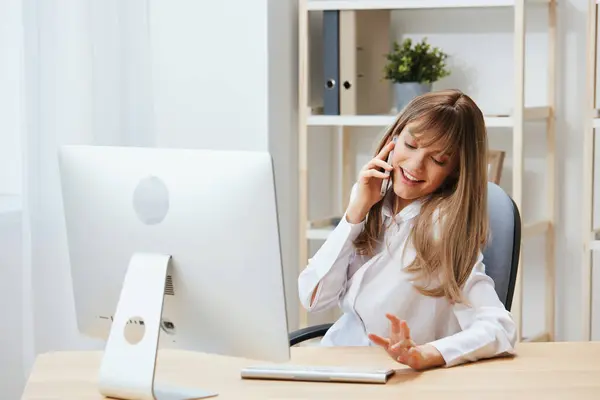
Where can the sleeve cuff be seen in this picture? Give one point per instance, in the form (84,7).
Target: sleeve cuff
(455,353)
(354,229)
(452,356)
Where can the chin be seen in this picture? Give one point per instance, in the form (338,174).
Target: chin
(406,193)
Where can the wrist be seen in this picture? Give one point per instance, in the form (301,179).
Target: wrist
(432,356)
(356,213)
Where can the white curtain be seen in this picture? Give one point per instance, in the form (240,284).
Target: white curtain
(87,81)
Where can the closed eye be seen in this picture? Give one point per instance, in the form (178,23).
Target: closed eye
(440,163)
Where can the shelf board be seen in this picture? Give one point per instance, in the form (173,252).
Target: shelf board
(596,123)
(319,5)
(595,245)
(491,121)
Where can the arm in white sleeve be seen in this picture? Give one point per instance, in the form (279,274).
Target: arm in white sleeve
(327,270)
(488,329)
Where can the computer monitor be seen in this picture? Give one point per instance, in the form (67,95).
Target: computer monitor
(173,246)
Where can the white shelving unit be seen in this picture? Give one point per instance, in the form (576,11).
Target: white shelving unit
(591,235)
(515,122)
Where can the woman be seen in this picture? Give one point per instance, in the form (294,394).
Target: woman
(406,265)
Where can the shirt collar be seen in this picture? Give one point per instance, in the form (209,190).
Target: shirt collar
(407,213)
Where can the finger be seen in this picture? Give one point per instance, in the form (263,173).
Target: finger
(376,162)
(380,341)
(382,155)
(405,330)
(396,333)
(372,173)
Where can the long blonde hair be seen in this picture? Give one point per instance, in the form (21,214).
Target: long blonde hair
(453,119)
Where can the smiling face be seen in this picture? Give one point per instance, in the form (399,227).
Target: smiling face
(420,167)
(440,156)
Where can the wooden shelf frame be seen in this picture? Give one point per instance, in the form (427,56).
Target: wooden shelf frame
(320,5)
(591,123)
(491,121)
(515,122)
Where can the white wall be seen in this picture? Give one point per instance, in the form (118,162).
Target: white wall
(210,69)
(224,79)
(466,34)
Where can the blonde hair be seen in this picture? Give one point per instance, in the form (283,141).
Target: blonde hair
(457,210)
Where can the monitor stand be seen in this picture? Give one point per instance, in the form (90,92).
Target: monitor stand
(127,370)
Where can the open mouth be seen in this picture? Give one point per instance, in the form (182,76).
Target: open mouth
(408,178)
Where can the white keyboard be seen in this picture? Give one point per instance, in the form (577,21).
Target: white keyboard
(318,373)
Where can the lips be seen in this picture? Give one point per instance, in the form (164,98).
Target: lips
(408,178)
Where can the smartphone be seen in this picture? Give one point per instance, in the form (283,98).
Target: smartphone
(385,185)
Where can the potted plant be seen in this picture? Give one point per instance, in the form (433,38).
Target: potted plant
(413,69)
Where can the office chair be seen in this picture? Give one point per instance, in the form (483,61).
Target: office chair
(501,255)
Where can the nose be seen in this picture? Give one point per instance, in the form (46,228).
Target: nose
(417,162)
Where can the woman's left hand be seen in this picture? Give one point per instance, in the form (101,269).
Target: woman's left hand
(404,350)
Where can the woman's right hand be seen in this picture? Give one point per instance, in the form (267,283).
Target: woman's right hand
(368,186)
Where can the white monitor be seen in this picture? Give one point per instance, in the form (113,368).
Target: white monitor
(178,242)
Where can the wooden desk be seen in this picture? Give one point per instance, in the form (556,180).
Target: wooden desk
(541,371)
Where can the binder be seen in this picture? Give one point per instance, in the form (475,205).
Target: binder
(364,41)
(331,69)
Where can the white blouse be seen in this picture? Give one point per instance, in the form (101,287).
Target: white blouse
(366,288)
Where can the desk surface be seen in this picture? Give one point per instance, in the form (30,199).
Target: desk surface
(562,370)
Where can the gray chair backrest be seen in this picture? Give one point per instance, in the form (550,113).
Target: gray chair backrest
(501,255)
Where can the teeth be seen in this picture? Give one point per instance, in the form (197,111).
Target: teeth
(409,176)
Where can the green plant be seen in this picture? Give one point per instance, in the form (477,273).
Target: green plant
(419,63)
